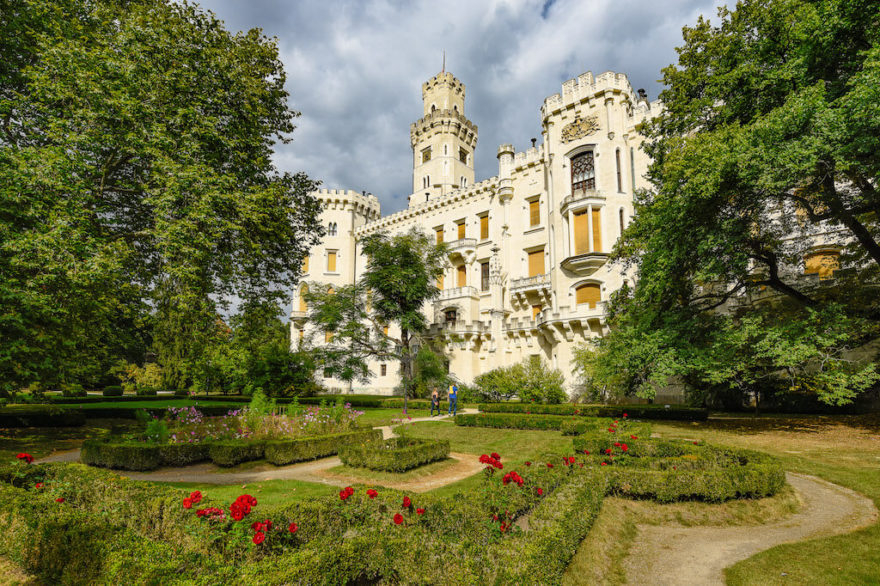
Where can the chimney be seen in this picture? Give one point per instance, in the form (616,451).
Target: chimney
(534,140)
(643,95)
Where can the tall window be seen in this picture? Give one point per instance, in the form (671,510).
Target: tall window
(620,214)
(463,181)
(440,282)
(303,306)
(588,294)
(439,232)
(632,167)
(536,263)
(581,232)
(461,229)
(484,227)
(619,177)
(331,229)
(463,156)
(534,212)
(583,172)
(462,276)
(426,155)
(331,261)
(536,310)
(449,316)
(383,369)
(597,229)
(484,276)
(306,265)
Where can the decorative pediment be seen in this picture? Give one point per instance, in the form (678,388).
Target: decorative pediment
(579,128)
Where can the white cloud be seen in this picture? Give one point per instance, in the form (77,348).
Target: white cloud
(355,71)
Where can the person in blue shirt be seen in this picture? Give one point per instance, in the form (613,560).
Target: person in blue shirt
(453,399)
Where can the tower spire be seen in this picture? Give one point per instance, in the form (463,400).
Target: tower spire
(444,61)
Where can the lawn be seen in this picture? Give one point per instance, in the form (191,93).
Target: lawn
(269,493)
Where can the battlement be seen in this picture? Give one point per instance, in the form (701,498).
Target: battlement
(531,156)
(585,87)
(444,79)
(449,120)
(456,196)
(366,204)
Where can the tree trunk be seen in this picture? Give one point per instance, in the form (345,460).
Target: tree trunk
(405,365)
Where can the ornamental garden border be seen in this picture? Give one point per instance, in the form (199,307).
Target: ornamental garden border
(141,456)
(72,523)
(678,413)
(397,454)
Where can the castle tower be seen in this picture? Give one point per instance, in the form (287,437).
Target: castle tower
(443,140)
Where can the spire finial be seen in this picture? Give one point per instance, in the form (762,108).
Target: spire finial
(444,61)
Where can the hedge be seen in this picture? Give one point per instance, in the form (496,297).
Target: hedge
(394,455)
(581,426)
(139,456)
(397,403)
(281,452)
(41,418)
(511,421)
(678,413)
(113,391)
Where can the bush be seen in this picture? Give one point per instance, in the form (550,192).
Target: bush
(535,408)
(677,413)
(394,455)
(112,391)
(282,452)
(418,404)
(531,380)
(511,421)
(146,392)
(73,390)
(181,393)
(35,417)
(121,455)
(230,453)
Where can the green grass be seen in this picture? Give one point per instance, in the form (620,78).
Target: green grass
(365,475)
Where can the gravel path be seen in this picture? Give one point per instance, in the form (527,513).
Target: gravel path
(667,555)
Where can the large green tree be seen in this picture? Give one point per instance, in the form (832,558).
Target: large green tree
(136,183)
(769,143)
(399,279)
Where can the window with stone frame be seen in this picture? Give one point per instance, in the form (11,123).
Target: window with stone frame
(426,155)
(583,172)
(484,276)
(463,156)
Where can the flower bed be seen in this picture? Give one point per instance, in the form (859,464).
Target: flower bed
(677,412)
(394,455)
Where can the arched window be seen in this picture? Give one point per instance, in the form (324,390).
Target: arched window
(445,149)
(583,172)
(619,176)
(620,217)
(463,181)
(433,108)
(588,294)
(455,107)
(331,229)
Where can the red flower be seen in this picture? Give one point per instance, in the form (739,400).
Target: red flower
(259,537)
(398,519)
(624,447)
(257,526)
(196,497)
(615,422)
(495,455)
(236,513)
(372,493)
(607,450)
(406,502)
(187,503)
(420,511)
(625,415)
(633,437)
(293,527)
(616,444)
(25,457)
(611,430)
(59,499)
(696,443)
(587,452)
(503,527)
(604,464)
(484,459)
(38,485)
(343,495)
(528,463)
(540,491)
(549,465)
(494,517)
(499,465)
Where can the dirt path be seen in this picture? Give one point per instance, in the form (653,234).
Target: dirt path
(667,555)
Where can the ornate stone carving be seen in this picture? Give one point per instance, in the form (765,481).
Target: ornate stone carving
(579,128)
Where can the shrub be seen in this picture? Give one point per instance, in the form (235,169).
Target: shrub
(230,453)
(181,393)
(120,456)
(511,421)
(535,408)
(112,391)
(146,392)
(73,390)
(282,452)
(677,413)
(531,380)
(394,455)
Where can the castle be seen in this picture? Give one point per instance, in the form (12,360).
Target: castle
(528,272)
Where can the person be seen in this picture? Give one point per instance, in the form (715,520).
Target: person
(453,399)
(435,402)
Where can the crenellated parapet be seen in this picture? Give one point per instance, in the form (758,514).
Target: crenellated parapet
(447,122)
(586,88)
(365,204)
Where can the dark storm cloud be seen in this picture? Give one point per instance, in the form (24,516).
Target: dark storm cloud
(355,71)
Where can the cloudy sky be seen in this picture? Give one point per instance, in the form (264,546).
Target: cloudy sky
(355,69)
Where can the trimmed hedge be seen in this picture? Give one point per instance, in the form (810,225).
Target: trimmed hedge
(678,413)
(41,418)
(139,456)
(283,452)
(113,391)
(511,421)
(394,455)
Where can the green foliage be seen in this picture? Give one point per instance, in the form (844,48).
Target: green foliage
(138,191)
(768,139)
(429,371)
(671,413)
(283,452)
(72,390)
(112,391)
(511,420)
(35,417)
(395,454)
(156,431)
(530,380)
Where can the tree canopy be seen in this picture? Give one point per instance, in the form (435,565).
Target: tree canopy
(137,191)
(768,146)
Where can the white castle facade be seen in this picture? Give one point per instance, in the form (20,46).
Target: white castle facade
(528,272)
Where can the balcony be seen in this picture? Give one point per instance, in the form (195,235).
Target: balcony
(580,198)
(585,264)
(464,248)
(536,285)
(458,293)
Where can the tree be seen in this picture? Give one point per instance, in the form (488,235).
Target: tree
(768,139)
(400,277)
(531,380)
(136,184)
